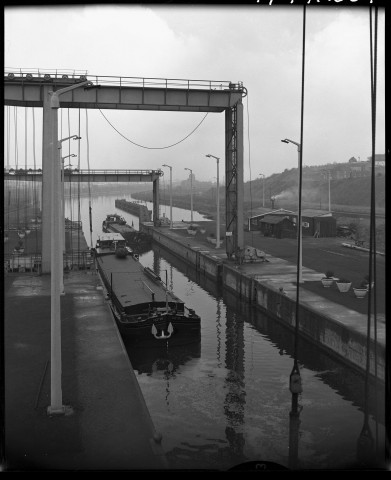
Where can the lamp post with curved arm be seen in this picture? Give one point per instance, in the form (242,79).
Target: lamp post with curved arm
(63,219)
(218,202)
(191,193)
(299,226)
(56,406)
(62,210)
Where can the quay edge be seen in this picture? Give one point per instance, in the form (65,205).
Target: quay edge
(336,329)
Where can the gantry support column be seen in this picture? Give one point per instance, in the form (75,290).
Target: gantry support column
(234,179)
(156,202)
(49,150)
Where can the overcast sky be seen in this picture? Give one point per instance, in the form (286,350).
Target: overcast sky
(258,45)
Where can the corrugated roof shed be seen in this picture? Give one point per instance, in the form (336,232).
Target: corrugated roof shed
(272,219)
(314,213)
(280,211)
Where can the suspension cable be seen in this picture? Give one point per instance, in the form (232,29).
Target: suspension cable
(153,148)
(25,167)
(372,238)
(89,186)
(295,378)
(16,166)
(365,443)
(78,187)
(8,136)
(35,202)
(70,196)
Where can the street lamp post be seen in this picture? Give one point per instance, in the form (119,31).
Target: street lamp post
(218,202)
(191,193)
(299,226)
(263,189)
(56,407)
(63,218)
(168,166)
(62,211)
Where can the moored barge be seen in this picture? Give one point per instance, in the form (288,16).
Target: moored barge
(115,223)
(141,303)
(135,208)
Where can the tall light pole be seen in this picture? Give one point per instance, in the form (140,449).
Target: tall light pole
(62,211)
(56,407)
(299,227)
(218,202)
(191,193)
(168,166)
(63,219)
(263,189)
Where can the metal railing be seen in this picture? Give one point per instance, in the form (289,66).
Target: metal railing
(47,76)
(30,263)
(38,171)
(115,172)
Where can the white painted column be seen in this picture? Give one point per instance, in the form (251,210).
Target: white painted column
(47,176)
(56,406)
(62,219)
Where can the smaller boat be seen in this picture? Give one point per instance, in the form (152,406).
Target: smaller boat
(115,223)
(142,305)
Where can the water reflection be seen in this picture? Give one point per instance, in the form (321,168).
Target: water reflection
(294,425)
(206,283)
(161,359)
(225,400)
(345,382)
(218,332)
(348,383)
(234,383)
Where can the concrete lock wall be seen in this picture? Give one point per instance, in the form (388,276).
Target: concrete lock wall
(351,346)
(198,258)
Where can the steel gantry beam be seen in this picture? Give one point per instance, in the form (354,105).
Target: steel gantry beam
(36,89)
(123,93)
(107,175)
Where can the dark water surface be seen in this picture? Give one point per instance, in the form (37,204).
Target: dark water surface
(225,400)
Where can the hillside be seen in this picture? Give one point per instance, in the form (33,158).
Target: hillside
(351,192)
(354,191)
